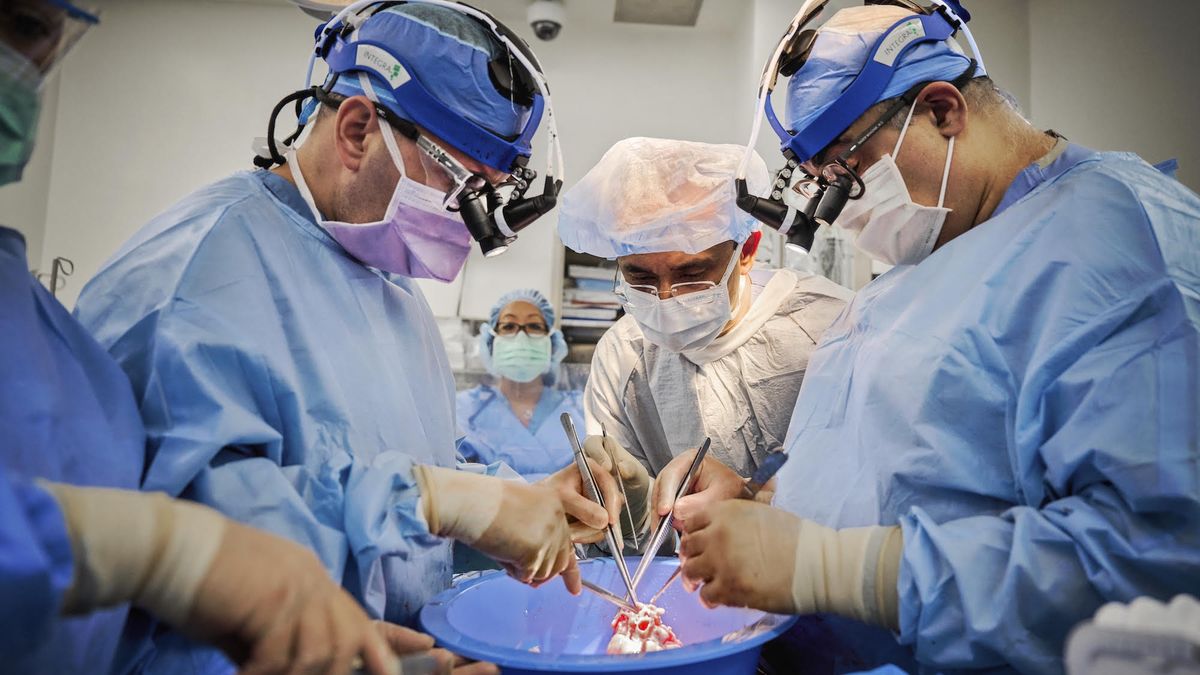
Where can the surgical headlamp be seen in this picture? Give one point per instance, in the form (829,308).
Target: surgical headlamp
(826,194)
(493,214)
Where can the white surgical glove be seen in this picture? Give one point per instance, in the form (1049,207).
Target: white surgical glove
(139,547)
(747,554)
(250,593)
(523,527)
(713,482)
(637,480)
(1142,637)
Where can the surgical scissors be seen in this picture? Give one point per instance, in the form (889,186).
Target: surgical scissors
(660,533)
(589,482)
(770,466)
(612,457)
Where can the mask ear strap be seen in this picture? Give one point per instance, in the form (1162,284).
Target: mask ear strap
(904,129)
(384,127)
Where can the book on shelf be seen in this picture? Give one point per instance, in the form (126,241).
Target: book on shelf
(590,298)
(595,285)
(570,312)
(568,322)
(590,272)
(582,335)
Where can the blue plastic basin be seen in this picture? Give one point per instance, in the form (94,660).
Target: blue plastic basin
(494,618)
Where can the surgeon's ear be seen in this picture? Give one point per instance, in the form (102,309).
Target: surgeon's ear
(356,121)
(947,105)
(749,249)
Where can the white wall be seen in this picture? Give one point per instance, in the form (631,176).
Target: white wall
(157,100)
(610,81)
(1120,76)
(165,96)
(151,110)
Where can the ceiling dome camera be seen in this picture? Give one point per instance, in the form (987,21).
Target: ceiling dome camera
(546,18)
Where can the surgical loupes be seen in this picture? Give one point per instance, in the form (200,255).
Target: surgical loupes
(589,483)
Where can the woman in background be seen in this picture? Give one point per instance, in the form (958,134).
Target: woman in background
(515,420)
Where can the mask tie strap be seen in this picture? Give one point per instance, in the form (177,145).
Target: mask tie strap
(384,127)
(904,130)
(946,172)
(302,184)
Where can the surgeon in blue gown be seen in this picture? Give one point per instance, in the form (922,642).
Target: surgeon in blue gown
(66,413)
(289,370)
(515,420)
(1002,432)
(78,543)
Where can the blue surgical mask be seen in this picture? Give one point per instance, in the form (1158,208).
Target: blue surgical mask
(20,103)
(519,357)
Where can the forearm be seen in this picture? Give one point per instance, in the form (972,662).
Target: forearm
(143,548)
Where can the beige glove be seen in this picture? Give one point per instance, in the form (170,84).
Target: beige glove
(637,480)
(747,554)
(714,482)
(254,595)
(521,526)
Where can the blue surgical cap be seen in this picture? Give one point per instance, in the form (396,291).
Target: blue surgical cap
(558,344)
(530,295)
(448,53)
(652,195)
(841,49)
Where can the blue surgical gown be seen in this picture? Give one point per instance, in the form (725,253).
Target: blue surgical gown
(494,434)
(284,384)
(67,414)
(1025,404)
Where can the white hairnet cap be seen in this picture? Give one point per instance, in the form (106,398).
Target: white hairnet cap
(650,195)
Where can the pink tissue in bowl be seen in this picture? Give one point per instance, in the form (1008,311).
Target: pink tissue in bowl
(640,632)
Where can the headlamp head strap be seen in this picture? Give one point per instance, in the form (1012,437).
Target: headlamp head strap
(866,88)
(343,53)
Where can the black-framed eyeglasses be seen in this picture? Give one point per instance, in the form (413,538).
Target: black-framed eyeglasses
(508,328)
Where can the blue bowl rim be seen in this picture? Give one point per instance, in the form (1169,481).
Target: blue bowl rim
(434,621)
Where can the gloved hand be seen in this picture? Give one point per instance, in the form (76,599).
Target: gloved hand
(587,521)
(637,480)
(747,554)
(523,527)
(265,601)
(714,482)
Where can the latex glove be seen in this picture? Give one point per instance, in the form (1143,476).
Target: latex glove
(523,527)
(587,521)
(637,480)
(265,601)
(1142,637)
(409,642)
(746,554)
(714,482)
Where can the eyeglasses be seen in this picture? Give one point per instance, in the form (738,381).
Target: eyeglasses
(508,328)
(685,292)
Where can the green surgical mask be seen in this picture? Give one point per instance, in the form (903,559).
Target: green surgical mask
(20,103)
(519,357)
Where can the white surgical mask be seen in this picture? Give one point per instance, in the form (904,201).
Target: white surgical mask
(891,227)
(519,357)
(687,322)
